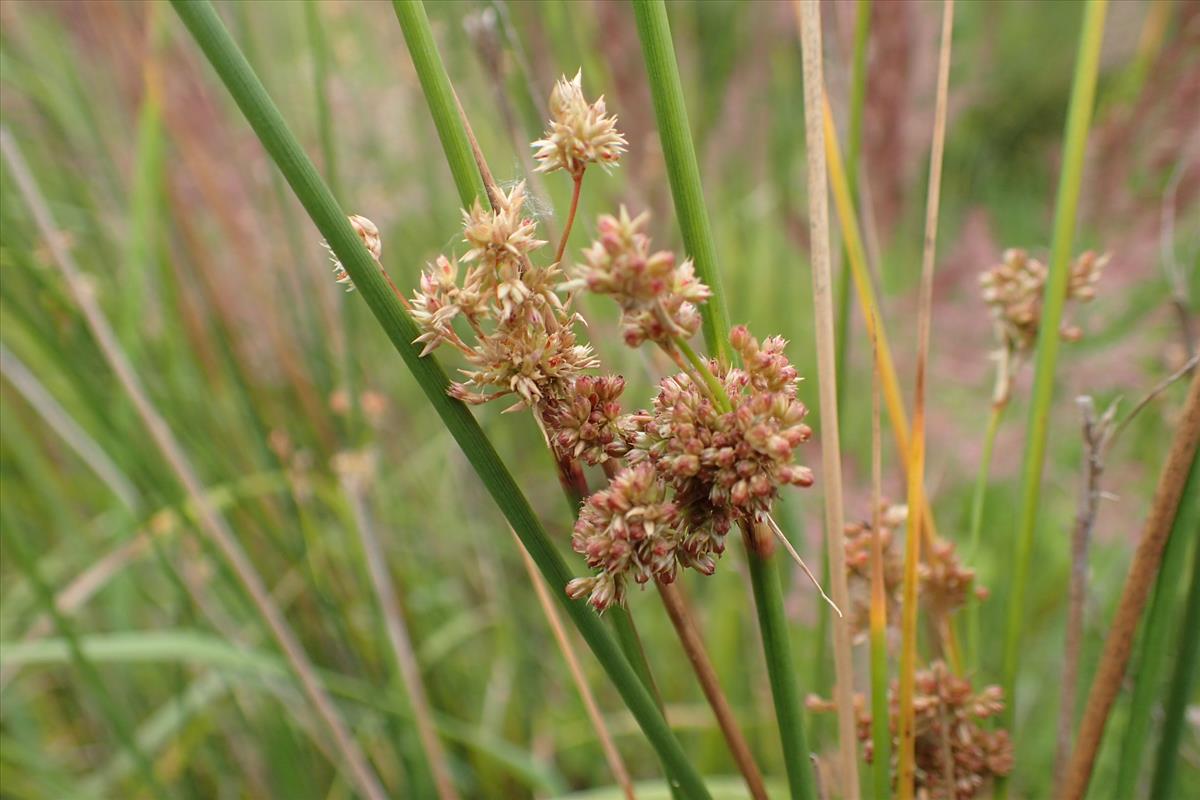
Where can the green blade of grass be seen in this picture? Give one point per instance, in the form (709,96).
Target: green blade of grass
(1166,762)
(1160,621)
(202,21)
(654,30)
(440,96)
(112,713)
(1079,114)
(684,174)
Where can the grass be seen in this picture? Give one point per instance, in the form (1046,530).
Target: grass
(262,115)
(211,275)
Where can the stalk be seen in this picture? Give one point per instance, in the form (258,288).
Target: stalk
(831,456)
(889,383)
(781,671)
(1161,619)
(202,21)
(1186,665)
(978,500)
(1079,115)
(679,153)
(684,175)
(1155,533)
(435,83)
(858,98)
(906,771)
(881,733)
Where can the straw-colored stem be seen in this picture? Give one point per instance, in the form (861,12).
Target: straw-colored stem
(1079,116)
(252,99)
(611,754)
(906,770)
(710,684)
(212,523)
(881,732)
(562,245)
(831,455)
(1142,573)
(975,534)
(397,632)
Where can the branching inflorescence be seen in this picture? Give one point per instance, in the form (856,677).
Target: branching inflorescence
(718,441)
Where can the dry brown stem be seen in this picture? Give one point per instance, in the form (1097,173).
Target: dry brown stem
(1146,560)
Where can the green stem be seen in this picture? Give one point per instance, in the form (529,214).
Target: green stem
(1079,114)
(701,366)
(764,578)
(1166,762)
(881,733)
(679,153)
(202,21)
(978,499)
(683,173)
(440,95)
(858,97)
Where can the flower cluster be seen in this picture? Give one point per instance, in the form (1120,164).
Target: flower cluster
(859,536)
(628,530)
(950,720)
(589,425)
(578,133)
(1014,288)
(945,583)
(657,297)
(524,338)
(726,457)
(369,234)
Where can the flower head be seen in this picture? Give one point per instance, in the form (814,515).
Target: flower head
(578,133)
(657,296)
(951,719)
(726,466)
(588,424)
(369,234)
(1014,291)
(629,530)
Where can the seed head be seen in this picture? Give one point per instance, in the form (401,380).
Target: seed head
(369,234)
(859,536)
(950,716)
(588,424)
(657,297)
(577,134)
(726,466)
(629,530)
(1014,291)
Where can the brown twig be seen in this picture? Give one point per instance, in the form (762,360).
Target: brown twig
(693,647)
(1142,572)
(1096,434)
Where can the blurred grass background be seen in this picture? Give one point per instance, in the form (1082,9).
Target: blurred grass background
(222,297)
